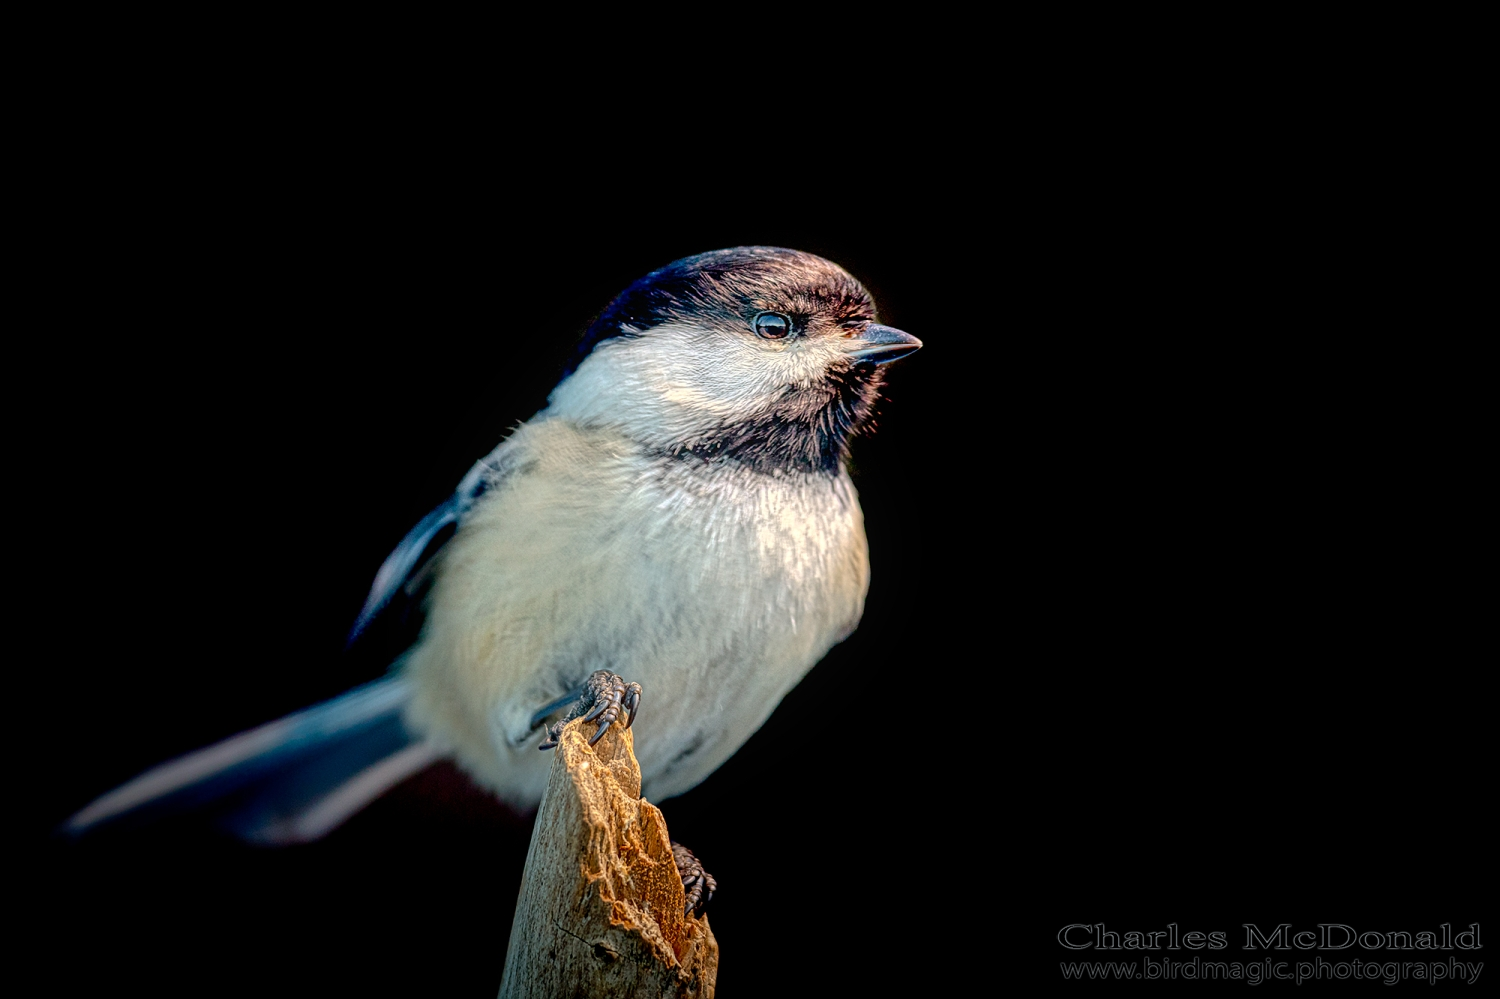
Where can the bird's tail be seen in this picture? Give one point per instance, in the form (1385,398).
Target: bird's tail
(288,781)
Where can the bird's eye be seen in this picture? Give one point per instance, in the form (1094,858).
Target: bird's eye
(772,326)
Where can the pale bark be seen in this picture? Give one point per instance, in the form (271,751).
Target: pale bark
(601,906)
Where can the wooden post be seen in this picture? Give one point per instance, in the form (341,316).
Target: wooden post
(601,906)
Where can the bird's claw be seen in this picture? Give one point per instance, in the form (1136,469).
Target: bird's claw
(618,698)
(609,696)
(632,701)
(698,886)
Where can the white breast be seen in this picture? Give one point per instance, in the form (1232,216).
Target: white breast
(714,587)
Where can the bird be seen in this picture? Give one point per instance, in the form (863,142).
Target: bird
(675,538)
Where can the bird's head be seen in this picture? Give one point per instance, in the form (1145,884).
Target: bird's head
(765,356)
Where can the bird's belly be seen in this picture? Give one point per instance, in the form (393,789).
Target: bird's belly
(716,607)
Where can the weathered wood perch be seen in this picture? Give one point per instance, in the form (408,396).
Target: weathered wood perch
(601,906)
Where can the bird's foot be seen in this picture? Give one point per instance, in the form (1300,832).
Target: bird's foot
(605,696)
(698,886)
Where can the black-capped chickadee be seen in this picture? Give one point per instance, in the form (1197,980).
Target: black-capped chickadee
(675,535)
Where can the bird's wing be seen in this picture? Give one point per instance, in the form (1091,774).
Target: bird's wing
(404,570)
(403,565)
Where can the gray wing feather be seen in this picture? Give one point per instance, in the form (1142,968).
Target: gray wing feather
(412,553)
(401,563)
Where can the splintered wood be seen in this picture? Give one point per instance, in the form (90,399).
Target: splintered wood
(601,905)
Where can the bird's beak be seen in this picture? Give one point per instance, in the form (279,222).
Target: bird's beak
(881,344)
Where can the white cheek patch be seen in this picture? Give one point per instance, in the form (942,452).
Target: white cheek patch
(808,364)
(677,380)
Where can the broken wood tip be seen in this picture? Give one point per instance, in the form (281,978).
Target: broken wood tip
(601,908)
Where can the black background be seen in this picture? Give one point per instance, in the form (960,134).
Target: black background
(1169,619)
